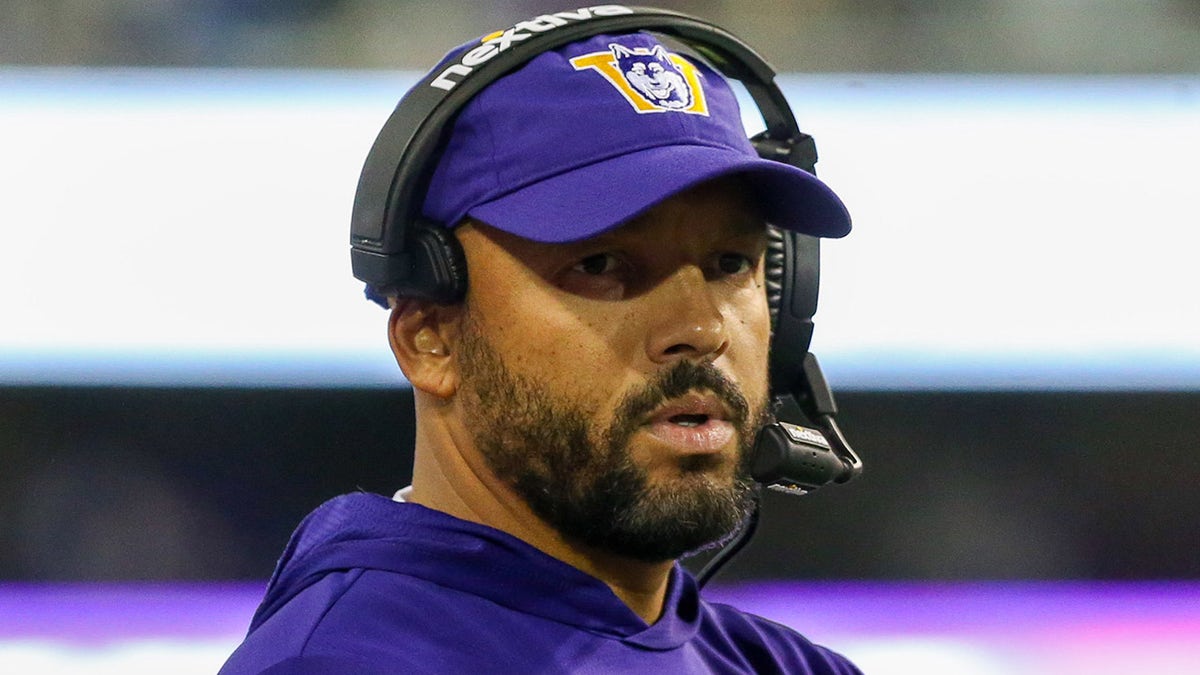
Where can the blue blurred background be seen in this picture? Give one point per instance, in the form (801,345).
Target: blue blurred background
(187,366)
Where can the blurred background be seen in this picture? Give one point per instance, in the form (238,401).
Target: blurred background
(187,366)
(871,36)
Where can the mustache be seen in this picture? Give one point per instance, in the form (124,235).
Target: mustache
(683,377)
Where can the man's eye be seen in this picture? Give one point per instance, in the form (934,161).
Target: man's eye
(733,263)
(601,263)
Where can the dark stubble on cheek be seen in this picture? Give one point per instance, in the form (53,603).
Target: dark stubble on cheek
(582,480)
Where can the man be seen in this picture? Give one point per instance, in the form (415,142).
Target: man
(584,415)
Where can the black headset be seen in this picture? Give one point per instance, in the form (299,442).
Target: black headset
(398,252)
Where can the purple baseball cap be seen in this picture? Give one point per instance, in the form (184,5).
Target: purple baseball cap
(584,138)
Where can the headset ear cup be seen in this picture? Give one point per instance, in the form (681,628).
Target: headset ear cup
(439,266)
(773,271)
(792,268)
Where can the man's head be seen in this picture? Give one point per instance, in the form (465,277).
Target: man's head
(609,362)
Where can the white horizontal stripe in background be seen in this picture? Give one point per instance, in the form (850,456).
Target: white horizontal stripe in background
(191,227)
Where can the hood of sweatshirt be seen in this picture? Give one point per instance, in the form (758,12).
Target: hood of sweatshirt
(372,532)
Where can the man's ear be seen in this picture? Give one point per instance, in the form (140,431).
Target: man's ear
(421,335)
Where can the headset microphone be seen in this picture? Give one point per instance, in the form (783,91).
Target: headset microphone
(796,459)
(792,458)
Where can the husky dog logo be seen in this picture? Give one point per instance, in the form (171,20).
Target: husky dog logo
(650,78)
(653,75)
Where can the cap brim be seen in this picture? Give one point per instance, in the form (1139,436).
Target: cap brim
(586,201)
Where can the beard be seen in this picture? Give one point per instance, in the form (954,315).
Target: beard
(581,478)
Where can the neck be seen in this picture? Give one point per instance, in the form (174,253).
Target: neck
(642,586)
(450,482)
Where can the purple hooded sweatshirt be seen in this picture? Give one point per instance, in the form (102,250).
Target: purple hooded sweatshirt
(369,586)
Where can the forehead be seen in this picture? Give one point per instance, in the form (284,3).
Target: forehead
(723,206)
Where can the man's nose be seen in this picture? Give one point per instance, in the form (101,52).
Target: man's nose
(686,321)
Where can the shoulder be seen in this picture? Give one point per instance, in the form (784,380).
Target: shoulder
(372,621)
(767,646)
(320,627)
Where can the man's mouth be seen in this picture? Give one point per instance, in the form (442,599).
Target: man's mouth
(687,420)
(691,409)
(697,423)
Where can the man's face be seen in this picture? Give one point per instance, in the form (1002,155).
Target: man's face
(617,383)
